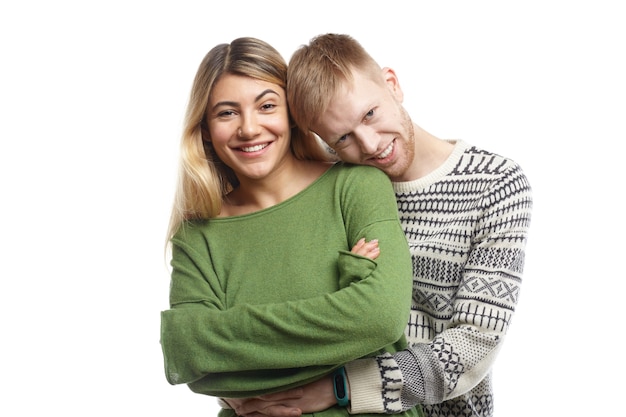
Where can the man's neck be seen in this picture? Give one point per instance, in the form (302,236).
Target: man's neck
(430,153)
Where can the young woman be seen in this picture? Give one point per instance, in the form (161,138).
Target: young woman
(266,293)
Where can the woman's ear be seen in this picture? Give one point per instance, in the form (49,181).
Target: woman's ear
(204,131)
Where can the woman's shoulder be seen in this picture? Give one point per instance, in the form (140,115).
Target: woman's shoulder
(191,230)
(358,178)
(365,172)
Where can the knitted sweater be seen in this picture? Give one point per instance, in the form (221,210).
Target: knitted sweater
(467,225)
(255,300)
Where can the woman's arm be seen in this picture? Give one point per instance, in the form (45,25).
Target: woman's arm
(202,341)
(390,383)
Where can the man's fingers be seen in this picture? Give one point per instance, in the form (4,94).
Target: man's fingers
(283,395)
(273,405)
(274,411)
(283,411)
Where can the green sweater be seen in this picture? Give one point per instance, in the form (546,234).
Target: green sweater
(255,299)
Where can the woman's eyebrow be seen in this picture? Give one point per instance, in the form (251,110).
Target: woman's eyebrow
(235,104)
(268,91)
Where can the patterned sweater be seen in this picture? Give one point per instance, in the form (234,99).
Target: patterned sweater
(467,225)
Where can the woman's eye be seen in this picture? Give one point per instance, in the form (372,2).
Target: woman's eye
(225,113)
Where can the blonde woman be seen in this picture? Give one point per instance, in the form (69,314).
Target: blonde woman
(266,293)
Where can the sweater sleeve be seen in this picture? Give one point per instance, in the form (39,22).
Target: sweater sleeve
(459,357)
(248,350)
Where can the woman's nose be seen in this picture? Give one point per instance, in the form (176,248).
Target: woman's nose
(249,128)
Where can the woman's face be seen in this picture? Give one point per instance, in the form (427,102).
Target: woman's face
(248,122)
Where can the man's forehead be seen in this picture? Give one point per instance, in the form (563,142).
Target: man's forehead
(337,122)
(352,101)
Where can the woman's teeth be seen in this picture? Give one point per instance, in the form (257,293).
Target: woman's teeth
(253,148)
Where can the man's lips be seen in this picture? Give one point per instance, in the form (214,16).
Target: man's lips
(386,152)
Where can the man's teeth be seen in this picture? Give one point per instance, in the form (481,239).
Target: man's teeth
(386,152)
(253,148)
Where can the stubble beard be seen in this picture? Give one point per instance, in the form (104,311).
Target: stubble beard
(403,162)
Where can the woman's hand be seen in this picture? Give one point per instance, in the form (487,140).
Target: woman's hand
(313,397)
(368,249)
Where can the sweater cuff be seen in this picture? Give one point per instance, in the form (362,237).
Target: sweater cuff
(366,386)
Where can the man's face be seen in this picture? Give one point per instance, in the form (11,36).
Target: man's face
(366,124)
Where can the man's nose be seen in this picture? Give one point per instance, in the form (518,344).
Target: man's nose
(367,141)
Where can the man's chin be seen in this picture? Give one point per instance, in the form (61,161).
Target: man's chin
(386,168)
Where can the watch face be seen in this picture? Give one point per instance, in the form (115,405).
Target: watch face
(340,390)
(340,387)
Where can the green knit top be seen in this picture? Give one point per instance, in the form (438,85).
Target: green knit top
(273,299)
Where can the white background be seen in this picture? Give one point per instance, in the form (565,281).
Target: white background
(92,96)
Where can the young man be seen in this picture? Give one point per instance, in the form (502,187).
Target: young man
(465,213)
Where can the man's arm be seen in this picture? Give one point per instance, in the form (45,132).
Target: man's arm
(458,358)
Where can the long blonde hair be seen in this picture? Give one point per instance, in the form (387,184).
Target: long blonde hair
(203,179)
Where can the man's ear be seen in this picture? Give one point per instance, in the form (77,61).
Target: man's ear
(390,77)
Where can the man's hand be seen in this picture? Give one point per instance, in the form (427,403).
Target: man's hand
(310,398)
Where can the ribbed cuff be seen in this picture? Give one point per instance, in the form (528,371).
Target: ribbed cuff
(366,386)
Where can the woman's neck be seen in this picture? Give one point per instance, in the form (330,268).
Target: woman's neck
(283,183)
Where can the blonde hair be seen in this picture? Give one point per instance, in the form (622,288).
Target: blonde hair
(317,71)
(203,179)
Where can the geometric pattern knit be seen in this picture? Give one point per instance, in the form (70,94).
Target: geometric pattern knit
(466,224)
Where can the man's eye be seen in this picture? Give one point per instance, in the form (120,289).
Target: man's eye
(369,114)
(342,139)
